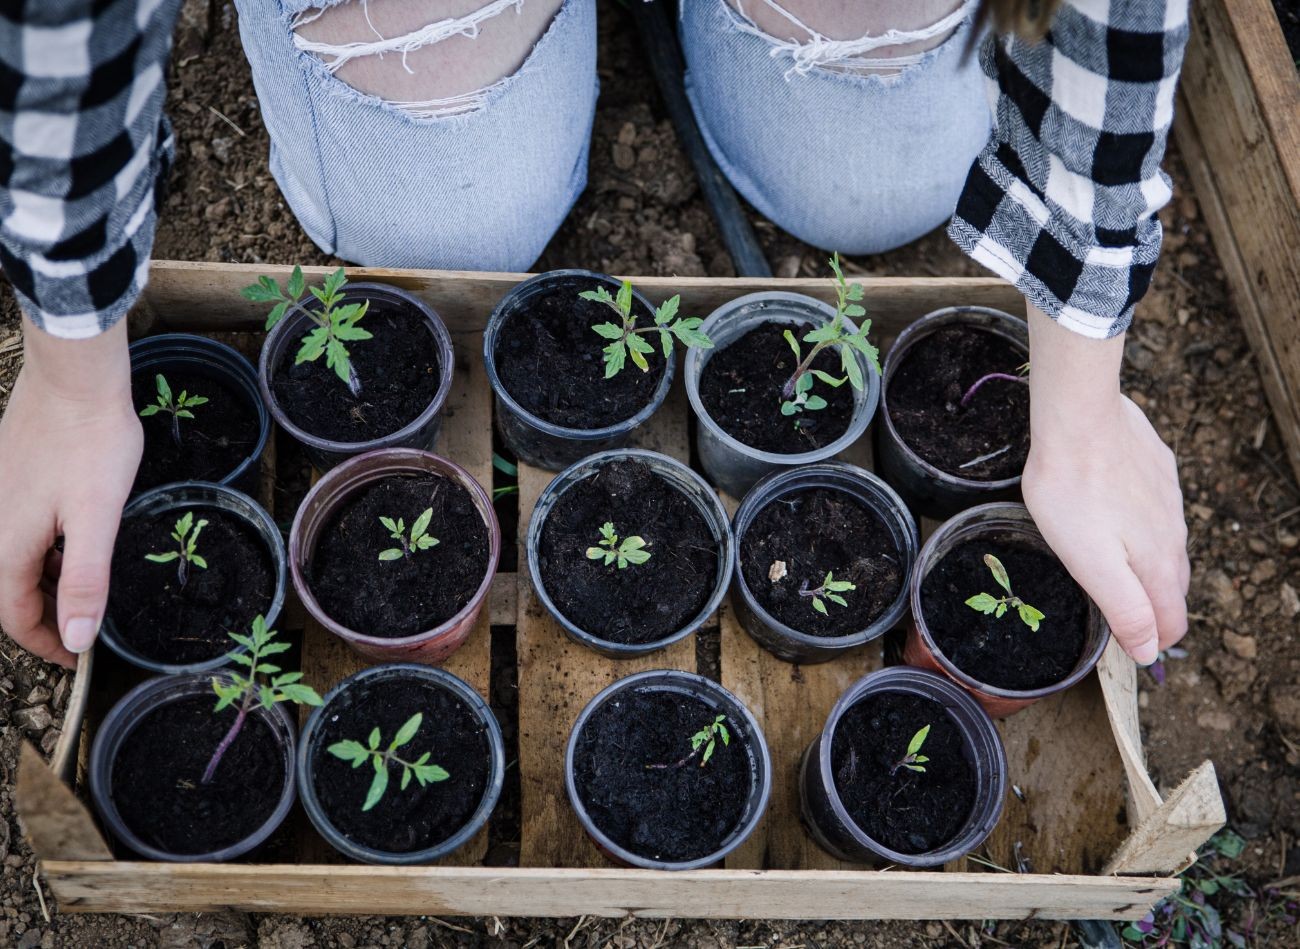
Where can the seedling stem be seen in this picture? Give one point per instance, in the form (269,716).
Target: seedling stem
(264,686)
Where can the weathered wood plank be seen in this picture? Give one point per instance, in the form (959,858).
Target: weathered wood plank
(189,295)
(1167,840)
(1061,755)
(557,678)
(720,894)
(1239,130)
(53,820)
(792,703)
(467,440)
(1117,674)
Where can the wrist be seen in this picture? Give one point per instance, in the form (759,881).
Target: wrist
(1074,392)
(94,371)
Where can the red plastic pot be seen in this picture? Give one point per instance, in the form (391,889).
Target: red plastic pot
(1005,522)
(320,508)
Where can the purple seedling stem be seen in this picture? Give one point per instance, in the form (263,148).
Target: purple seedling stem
(226,742)
(1005,376)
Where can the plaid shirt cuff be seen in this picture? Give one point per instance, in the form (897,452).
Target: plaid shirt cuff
(1062,202)
(81,151)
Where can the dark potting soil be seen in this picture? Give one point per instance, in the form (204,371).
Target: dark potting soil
(395,598)
(741,385)
(813,532)
(157,777)
(552,363)
(682,812)
(398,369)
(213,443)
(925,394)
(419,817)
(641,602)
(1005,652)
(168,622)
(907,811)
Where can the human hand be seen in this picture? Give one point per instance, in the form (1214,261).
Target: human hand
(70,442)
(1103,489)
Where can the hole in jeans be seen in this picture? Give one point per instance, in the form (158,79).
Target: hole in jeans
(879,39)
(429,58)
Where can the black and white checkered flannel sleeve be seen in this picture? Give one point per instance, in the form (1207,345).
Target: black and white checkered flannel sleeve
(1062,202)
(84,142)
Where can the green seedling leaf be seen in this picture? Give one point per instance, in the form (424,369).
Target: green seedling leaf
(998,606)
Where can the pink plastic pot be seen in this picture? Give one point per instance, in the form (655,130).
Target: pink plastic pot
(320,508)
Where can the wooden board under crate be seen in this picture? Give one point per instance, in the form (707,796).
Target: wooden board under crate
(1094,838)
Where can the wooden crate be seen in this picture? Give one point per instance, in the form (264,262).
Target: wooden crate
(1238,128)
(1095,837)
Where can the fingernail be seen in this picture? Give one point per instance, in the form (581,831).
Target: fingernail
(1147,653)
(79,633)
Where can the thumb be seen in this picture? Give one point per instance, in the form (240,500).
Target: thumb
(83,580)
(1123,600)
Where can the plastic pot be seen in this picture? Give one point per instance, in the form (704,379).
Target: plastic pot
(828,820)
(128,713)
(344,693)
(533,439)
(746,732)
(1002,522)
(421,432)
(784,641)
(320,508)
(730,464)
(170,352)
(700,494)
(190,495)
(928,491)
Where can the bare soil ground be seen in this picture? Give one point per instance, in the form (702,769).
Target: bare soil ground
(1235,697)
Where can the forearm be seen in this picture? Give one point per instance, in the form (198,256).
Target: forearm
(1073,380)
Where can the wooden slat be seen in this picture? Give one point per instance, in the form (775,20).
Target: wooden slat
(467,440)
(720,894)
(557,677)
(53,820)
(1239,130)
(1169,838)
(1117,674)
(792,703)
(186,295)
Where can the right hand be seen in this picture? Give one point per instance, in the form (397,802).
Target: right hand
(70,443)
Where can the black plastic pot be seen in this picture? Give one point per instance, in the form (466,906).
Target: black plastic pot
(680,477)
(533,439)
(928,491)
(172,352)
(823,811)
(193,495)
(421,432)
(123,718)
(1003,522)
(746,731)
(343,693)
(730,464)
(784,641)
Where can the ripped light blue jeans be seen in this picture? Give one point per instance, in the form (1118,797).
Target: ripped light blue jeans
(857,163)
